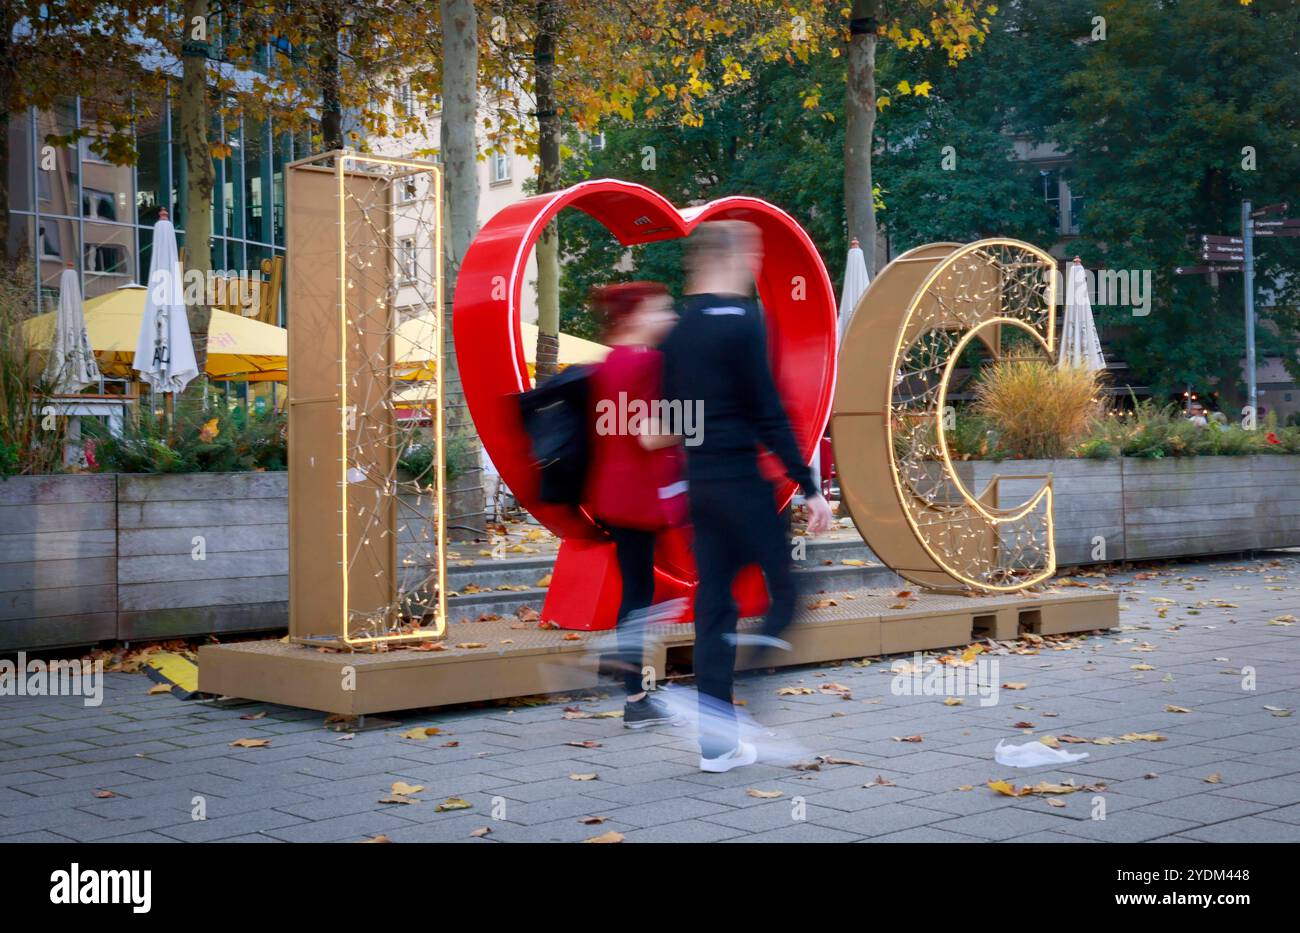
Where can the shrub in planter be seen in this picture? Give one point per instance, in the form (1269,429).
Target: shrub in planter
(1229,441)
(974,438)
(1037,410)
(417,458)
(1283,441)
(1160,432)
(216,440)
(1097,448)
(1154,431)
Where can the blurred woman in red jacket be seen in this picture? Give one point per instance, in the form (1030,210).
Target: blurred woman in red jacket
(634,485)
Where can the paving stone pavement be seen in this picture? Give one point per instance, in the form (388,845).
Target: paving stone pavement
(1217,636)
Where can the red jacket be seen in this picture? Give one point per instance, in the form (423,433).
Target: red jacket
(628,485)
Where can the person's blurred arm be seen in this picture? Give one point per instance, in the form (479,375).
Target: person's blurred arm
(774,428)
(650,388)
(770,418)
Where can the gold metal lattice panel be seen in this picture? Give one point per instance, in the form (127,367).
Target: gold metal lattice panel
(365,304)
(891,413)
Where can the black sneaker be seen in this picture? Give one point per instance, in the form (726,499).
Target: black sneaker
(646,711)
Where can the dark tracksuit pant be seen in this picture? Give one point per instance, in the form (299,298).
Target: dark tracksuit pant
(735,525)
(635,551)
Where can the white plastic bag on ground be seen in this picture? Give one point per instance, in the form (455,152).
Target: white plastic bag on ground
(1033,755)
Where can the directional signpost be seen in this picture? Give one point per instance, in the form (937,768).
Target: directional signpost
(1204,270)
(1263,222)
(1227,248)
(1219,253)
(1247,232)
(1284,226)
(1237,254)
(1269,209)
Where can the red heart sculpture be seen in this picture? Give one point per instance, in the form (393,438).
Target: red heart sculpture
(799,306)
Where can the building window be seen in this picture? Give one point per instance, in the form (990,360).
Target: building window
(98,204)
(257,180)
(106,258)
(406,100)
(1051,181)
(1076,211)
(49,245)
(407,257)
(407,190)
(597,142)
(500,168)
(88,154)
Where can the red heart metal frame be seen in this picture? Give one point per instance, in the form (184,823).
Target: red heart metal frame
(799,307)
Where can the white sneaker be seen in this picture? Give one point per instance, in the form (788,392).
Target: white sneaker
(755,640)
(743,754)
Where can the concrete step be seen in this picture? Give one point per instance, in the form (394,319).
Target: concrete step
(487,573)
(821,571)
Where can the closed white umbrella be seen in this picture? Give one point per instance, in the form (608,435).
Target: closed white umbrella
(856,281)
(71,364)
(164,355)
(1080,345)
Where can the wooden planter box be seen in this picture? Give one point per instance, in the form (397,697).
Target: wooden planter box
(94,557)
(1141,509)
(98,557)
(58,560)
(237,521)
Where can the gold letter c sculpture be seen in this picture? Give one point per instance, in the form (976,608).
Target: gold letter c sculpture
(891,415)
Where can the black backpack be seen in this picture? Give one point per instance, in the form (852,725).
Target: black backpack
(556,416)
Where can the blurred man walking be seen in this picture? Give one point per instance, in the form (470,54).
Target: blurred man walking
(716,358)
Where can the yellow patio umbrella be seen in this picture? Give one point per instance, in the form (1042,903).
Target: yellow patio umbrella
(574,351)
(413,347)
(416,396)
(239,348)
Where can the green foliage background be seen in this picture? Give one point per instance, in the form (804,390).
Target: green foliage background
(1153,117)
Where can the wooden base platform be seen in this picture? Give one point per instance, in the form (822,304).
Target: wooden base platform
(518,659)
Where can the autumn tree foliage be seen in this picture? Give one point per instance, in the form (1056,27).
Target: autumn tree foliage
(52,50)
(557,66)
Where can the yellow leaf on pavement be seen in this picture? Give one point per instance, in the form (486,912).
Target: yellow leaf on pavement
(421,733)
(608,837)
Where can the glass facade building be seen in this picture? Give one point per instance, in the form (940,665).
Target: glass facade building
(69,205)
